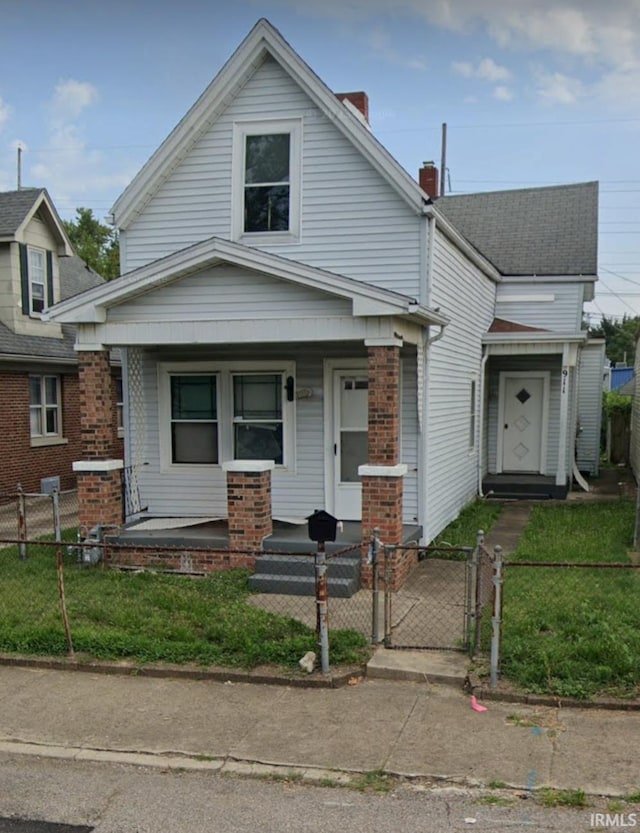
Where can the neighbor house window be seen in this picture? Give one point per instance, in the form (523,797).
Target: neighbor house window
(472,415)
(194,419)
(257,417)
(267,179)
(119,394)
(44,407)
(36,278)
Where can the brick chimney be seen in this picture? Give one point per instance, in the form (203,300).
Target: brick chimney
(359,100)
(428,179)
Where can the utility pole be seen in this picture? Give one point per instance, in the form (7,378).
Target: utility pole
(19,167)
(443,160)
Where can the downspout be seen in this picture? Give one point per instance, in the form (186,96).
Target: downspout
(427,237)
(483,364)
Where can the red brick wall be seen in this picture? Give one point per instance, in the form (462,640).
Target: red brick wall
(248,508)
(384,405)
(96,404)
(183,560)
(26,465)
(100,498)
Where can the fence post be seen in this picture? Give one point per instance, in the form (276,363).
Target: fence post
(22,522)
(496,619)
(320,563)
(63,601)
(477,601)
(55,499)
(375,584)
(388,550)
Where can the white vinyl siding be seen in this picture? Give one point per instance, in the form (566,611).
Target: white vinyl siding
(352,221)
(550,306)
(466,296)
(201,490)
(227,293)
(590,406)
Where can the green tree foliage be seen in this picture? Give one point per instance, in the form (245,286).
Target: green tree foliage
(620,337)
(95,242)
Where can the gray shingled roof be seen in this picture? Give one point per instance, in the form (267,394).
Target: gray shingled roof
(75,277)
(531,231)
(14,207)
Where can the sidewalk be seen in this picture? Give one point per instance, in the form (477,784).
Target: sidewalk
(409,729)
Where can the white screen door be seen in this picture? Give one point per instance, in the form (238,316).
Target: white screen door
(350,396)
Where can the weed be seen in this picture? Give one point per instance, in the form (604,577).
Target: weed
(328,782)
(616,805)
(633,798)
(562,798)
(373,781)
(493,800)
(496,785)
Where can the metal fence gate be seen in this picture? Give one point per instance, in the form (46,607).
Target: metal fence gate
(439,605)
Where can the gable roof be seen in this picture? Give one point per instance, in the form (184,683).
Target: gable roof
(531,231)
(17,208)
(367,299)
(75,277)
(264,39)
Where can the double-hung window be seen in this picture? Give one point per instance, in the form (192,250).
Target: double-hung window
(36,279)
(45,411)
(266,170)
(194,419)
(257,417)
(213,413)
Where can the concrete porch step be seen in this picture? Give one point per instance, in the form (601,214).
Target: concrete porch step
(295,575)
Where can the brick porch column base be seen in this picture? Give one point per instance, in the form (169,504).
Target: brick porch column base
(382,508)
(99,492)
(248,503)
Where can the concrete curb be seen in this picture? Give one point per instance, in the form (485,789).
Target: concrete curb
(261,676)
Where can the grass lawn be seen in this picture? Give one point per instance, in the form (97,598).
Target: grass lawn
(573,631)
(463,532)
(150,617)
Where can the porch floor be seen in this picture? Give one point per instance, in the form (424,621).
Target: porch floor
(517,486)
(214,534)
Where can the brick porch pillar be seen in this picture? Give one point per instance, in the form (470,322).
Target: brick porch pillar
(382,483)
(99,477)
(249,502)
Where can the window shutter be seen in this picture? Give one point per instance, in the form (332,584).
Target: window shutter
(49,278)
(24,278)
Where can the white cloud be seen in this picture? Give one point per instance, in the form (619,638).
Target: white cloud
(379,42)
(556,88)
(71,97)
(487,70)
(5,113)
(502,93)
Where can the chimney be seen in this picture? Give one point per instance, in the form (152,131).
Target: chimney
(428,179)
(359,100)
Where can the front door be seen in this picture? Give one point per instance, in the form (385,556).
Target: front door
(523,431)
(350,433)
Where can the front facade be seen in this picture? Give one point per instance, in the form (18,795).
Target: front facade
(40,419)
(294,303)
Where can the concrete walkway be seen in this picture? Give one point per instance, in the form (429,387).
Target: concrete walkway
(409,729)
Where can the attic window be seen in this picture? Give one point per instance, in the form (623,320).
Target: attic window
(266,187)
(36,279)
(266,180)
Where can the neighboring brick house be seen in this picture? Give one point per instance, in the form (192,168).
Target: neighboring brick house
(40,414)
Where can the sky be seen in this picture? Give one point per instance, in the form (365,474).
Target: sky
(533,93)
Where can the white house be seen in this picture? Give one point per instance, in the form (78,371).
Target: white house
(297,314)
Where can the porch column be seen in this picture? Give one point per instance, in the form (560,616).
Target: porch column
(382,484)
(249,503)
(99,477)
(569,360)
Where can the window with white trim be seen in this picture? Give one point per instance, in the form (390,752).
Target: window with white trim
(210,413)
(194,419)
(37,279)
(266,170)
(45,410)
(257,417)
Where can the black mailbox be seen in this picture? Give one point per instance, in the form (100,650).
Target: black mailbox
(322,526)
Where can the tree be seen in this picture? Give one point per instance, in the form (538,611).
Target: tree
(620,337)
(96,243)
